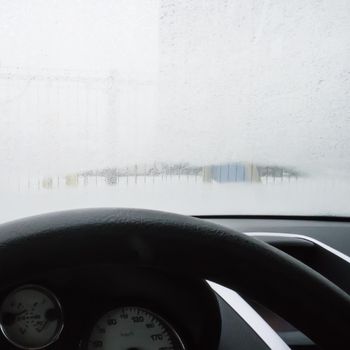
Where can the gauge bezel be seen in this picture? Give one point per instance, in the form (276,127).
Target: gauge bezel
(48,293)
(145,309)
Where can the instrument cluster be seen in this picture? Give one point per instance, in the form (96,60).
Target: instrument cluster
(94,309)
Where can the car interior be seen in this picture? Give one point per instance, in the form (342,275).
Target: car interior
(98,278)
(174,174)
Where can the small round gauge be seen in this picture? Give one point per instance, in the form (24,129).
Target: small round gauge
(133,328)
(31,317)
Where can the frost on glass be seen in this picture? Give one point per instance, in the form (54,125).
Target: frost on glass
(201,107)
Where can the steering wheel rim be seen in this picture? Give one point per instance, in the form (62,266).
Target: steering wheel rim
(181,244)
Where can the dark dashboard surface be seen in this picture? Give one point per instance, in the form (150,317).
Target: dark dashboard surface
(201,317)
(334,233)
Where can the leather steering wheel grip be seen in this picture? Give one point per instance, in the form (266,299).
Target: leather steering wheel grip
(184,245)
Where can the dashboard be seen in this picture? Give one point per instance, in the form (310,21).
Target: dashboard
(321,243)
(109,307)
(105,307)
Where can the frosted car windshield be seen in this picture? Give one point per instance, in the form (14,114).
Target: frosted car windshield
(198,107)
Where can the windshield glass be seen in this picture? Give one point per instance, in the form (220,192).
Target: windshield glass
(198,107)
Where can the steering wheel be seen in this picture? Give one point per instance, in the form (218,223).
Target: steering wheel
(184,245)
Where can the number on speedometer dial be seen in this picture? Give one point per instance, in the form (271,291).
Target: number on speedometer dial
(133,328)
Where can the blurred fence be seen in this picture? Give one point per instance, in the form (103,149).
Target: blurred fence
(90,99)
(141,175)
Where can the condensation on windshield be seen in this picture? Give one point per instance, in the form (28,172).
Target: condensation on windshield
(198,107)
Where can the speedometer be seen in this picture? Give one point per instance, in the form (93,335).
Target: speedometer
(133,328)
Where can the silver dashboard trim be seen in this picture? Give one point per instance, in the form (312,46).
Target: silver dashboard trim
(307,238)
(255,321)
(249,315)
